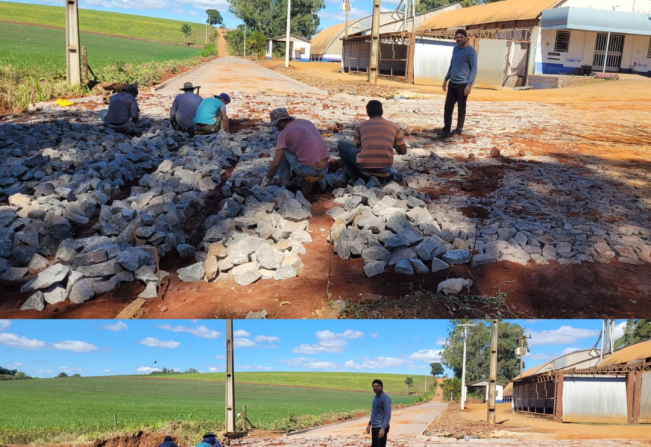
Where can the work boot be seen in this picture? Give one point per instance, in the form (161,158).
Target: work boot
(443,133)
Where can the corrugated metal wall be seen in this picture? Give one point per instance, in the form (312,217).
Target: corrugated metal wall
(645,401)
(594,399)
(432,60)
(492,60)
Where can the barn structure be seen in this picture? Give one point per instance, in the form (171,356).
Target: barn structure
(518,42)
(617,390)
(484,383)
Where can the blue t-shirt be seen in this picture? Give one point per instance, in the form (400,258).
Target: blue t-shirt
(207,110)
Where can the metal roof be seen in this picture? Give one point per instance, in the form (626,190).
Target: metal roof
(602,20)
(483,382)
(292,38)
(502,11)
(638,351)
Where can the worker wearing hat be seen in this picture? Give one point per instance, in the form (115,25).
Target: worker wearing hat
(211,114)
(123,109)
(184,109)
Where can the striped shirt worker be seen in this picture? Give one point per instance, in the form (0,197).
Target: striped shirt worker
(376,139)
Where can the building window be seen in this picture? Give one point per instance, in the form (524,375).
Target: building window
(562,42)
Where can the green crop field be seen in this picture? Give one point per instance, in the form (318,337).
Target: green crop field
(126,25)
(79,408)
(34,46)
(393,383)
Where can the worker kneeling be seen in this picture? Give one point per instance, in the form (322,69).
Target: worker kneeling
(209,440)
(123,109)
(374,142)
(184,109)
(211,114)
(300,148)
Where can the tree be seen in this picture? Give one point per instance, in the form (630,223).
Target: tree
(635,331)
(186,30)
(164,370)
(9,372)
(409,381)
(76,375)
(427,5)
(214,17)
(451,388)
(270,16)
(235,40)
(436,369)
(62,374)
(191,371)
(256,42)
(478,348)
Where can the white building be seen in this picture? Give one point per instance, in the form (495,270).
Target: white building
(299,48)
(484,384)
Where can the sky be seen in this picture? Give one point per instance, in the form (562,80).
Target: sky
(193,11)
(44,348)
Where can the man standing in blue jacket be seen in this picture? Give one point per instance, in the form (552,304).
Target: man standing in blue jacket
(461,75)
(378,426)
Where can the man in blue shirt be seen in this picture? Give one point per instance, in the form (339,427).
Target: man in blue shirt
(461,75)
(123,109)
(211,114)
(378,426)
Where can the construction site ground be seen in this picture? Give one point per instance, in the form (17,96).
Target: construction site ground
(456,423)
(600,132)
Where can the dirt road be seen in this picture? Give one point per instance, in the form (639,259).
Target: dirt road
(231,74)
(405,423)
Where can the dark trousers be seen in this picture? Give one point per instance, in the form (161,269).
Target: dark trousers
(379,442)
(455,95)
(348,154)
(175,126)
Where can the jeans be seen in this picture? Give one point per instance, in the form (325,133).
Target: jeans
(102,114)
(348,154)
(378,442)
(290,163)
(455,94)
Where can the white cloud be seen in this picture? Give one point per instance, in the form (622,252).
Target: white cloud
(440,341)
(561,336)
(15,341)
(79,347)
(619,330)
(243,367)
(382,362)
(106,370)
(117,327)
(221,5)
(201,331)
(153,342)
(426,355)
(46,371)
(321,365)
(66,369)
(266,339)
(271,346)
(130,4)
(329,342)
(241,333)
(352,364)
(297,361)
(540,356)
(264,368)
(374,335)
(18,365)
(146,369)
(220,357)
(214,369)
(569,350)
(241,342)
(415,338)
(340,16)
(4,324)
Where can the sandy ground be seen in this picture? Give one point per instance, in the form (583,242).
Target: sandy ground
(230,74)
(472,421)
(405,423)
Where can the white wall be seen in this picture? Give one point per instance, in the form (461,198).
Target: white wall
(642,6)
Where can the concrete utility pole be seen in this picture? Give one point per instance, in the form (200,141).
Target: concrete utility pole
(522,352)
(289,9)
(346,7)
(492,384)
(207,28)
(230,379)
(73,66)
(463,371)
(375,44)
(244,40)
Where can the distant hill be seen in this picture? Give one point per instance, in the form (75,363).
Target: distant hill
(111,23)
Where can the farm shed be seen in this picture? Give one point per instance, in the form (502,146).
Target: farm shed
(299,48)
(617,390)
(515,40)
(484,383)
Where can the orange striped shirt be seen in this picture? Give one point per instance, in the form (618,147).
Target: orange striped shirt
(377,138)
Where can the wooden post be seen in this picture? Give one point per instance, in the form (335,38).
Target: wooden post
(492,387)
(115,421)
(637,397)
(84,64)
(244,416)
(410,59)
(73,66)
(230,379)
(630,399)
(559,397)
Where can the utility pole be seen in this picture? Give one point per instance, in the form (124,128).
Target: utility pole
(492,384)
(289,9)
(207,21)
(463,371)
(346,7)
(73,66)
(245,40)
(375,44)
(523,337)
(230,379)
